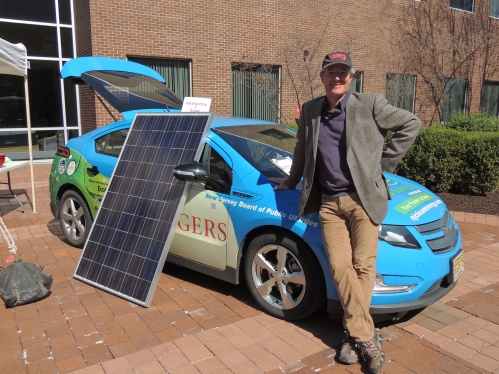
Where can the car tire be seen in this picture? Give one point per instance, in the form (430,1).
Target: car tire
(75,218)
(283,276)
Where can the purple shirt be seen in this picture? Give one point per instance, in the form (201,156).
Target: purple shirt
(334,175)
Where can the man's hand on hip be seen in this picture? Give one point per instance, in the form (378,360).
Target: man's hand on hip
(280,183)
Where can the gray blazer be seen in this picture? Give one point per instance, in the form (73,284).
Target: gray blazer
(368,119)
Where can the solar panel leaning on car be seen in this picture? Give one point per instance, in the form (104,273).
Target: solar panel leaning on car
(130,238)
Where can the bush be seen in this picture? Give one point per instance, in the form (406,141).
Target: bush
(478,121)
(448,160)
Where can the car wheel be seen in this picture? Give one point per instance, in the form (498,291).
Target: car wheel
(283,276)
(75,218)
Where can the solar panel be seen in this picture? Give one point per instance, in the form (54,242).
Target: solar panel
(132,232)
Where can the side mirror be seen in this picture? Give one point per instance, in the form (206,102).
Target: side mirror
(195,172)
(190,171)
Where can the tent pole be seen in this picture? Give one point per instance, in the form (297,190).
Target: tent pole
(30,146)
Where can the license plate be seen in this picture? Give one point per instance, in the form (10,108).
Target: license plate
(457,266)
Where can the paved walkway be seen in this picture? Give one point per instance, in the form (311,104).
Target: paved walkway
(197,324)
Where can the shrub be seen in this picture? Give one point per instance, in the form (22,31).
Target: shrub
(478,121)
(448,160)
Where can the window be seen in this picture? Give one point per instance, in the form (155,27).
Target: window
(466,5)
(39,40)
(255,91)
(494,8)
(490,98)
(177,73)
(112,143)
(129,91)
(357,81)
(28,10)
(258,144)
(400,90)
(217,168)
(45,28)
(453,98)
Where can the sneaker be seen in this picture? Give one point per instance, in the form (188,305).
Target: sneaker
(372,353)
(378,337)
(348,352)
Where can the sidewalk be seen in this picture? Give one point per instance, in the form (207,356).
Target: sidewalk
(197,324)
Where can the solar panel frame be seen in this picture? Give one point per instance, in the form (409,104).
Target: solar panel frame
(139,212)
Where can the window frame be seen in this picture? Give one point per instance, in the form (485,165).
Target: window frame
(462,8)
(206,160)
(400,102)
(496,6)
(456,81)
(165,66)
(246,100)
(106,145)
(482,101)
(358,79)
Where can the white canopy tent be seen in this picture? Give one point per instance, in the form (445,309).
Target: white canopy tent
(13,61)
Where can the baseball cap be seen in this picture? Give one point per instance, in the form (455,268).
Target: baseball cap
(337,58)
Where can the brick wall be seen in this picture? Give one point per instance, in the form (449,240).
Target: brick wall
(83,30)
(213,34)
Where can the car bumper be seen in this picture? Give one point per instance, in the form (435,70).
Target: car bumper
(427,299)
(396,311)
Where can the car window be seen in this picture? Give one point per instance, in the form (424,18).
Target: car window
(112,143)
(216,165)
(259,144)
(127,91)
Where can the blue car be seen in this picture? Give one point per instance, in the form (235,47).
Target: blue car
(234,226)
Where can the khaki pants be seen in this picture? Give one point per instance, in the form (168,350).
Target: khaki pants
(351,242)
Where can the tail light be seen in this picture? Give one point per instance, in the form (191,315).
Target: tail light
(63,152)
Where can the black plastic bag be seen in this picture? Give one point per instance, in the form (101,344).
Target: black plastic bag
(23,282)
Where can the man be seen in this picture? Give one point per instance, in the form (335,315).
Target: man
(339,153)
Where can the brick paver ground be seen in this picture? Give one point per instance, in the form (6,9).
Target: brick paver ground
(197,324)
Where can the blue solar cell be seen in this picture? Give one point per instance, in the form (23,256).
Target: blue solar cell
(154,250)
(142,246)
(116,279)
(83,267)
(148,270)
(111,258)
(93,273)
(136,265)
(127,287)
(123,261)
(129,241)
(117,241)
(100,254)
(141,287)
(124,223)
(104,276)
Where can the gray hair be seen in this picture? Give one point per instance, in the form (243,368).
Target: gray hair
(352,71)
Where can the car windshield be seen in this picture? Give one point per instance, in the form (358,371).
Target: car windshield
(258,144)
(130,91)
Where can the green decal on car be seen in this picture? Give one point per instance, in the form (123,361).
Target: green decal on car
(62,166)
(413,202)
(95,184)
(398,190)
(71,168)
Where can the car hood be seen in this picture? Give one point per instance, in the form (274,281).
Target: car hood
(411,203)
(126,85)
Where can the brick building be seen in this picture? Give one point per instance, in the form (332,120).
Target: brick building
(261,58)
(216,38)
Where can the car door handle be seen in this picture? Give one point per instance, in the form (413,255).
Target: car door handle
(93,171)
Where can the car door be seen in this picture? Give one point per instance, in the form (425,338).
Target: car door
(104,151)
(202,231)
(100,158)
